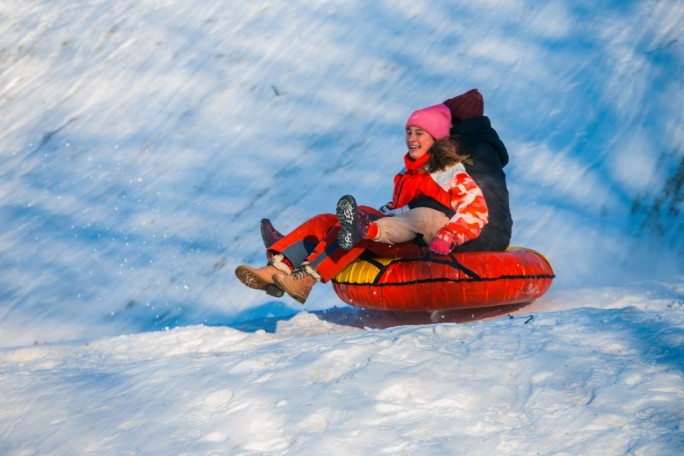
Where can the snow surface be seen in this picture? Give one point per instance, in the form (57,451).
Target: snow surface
(143,140)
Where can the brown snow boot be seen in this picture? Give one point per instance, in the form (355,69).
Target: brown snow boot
(298,284)
(262,278)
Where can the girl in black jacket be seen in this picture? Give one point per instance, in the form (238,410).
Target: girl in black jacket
(489,156)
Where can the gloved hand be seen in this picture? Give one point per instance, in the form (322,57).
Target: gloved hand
(445,241)
(440,246)
(389,211)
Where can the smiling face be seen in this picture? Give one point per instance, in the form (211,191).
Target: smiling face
(418,142)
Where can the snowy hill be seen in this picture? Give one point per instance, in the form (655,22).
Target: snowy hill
(143,141)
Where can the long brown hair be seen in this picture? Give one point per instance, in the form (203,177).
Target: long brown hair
(445,153)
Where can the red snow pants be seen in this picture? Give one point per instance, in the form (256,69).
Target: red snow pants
(315,241)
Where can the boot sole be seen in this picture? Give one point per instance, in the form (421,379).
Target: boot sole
(251,280)
(347,213)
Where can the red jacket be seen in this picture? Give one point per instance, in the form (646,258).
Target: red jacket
(454,190)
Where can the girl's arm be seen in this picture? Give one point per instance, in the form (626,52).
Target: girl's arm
(471,215)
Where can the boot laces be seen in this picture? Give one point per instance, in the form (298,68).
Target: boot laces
(299,273)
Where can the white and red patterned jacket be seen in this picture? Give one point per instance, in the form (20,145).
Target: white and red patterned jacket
(454,191)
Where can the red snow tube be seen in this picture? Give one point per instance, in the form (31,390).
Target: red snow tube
(457,281)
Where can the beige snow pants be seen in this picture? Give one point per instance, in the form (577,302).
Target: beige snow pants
(405,226)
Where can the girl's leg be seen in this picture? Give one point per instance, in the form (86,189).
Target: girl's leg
(286,254)
(324,262)
(328,258)
(404,227)
(297,245)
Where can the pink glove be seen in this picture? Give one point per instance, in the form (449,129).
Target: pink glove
(443,243)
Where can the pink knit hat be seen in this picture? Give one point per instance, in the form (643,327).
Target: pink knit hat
(436,120)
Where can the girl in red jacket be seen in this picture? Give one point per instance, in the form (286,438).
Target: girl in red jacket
(434,198)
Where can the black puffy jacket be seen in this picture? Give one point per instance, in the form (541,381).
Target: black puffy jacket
(489,155)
